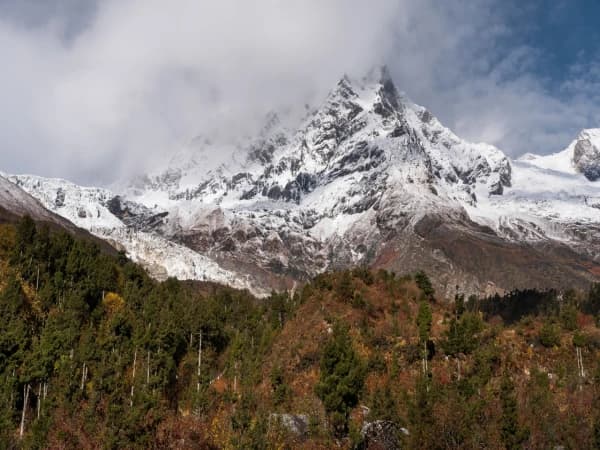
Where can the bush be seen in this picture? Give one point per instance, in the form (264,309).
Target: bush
(281,390)
(358,300)
(579,340)
(377,363)
(549,335)
(364,274)
(568,317)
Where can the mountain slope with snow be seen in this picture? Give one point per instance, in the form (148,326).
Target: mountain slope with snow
(93,209)
(16,203)
(368,177)
(581,156)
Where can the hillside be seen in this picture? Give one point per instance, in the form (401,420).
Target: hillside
(94,351)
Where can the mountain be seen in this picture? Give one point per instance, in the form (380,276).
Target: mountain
(126,226)
(367,178)
(581,156)
(16,203)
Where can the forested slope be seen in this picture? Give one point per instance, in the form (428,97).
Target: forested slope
(95,354)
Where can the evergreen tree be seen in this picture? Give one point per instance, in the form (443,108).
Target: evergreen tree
(511,432)
(568,317)
(421,413)
(461,336)
(549,334)
(25,236)
(424,319)
(383,405)
(459,305)
(341,380)
(424,283)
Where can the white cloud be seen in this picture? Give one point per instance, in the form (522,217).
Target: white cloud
(139,78)
(146,76)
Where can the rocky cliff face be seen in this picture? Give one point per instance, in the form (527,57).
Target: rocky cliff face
(368,178)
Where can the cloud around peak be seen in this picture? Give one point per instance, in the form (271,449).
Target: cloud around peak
(119,87)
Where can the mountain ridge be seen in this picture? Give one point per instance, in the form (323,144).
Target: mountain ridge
(368,178)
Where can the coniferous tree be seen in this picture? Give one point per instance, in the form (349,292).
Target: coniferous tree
(424,319)
(341,380)
(424,283)
(549,334)
(511,432)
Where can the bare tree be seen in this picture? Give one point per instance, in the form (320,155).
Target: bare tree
(84,372)
(199,359)
(133,377)
(39,400)
(148,370)
(26,390)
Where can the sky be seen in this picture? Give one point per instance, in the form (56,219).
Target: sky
(96,91)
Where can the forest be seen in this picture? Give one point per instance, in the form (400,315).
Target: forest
(96,354)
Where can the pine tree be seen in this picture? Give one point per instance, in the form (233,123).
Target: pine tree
(424,319)
(341,380)
(511,432)
(424,283)
(421,413)
(461,336)
(549,335)
(25,236)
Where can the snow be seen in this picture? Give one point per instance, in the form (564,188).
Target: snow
(364,147)
(17,201)
(339,225)
(545,197)
(84,206)
(160,256)
(164,259)
(558,162)
(564,161)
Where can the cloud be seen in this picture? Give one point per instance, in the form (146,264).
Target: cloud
(462,61)
(96,94)
(146,76)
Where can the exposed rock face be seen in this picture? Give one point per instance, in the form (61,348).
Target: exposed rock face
(367,178)
(586,154)
(294,423)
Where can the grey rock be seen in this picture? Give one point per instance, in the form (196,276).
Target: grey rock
(294,423)
(586,157)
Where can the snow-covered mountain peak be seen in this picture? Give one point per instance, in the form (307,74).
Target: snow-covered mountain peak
(582,156)
(366,174)
(364,135)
